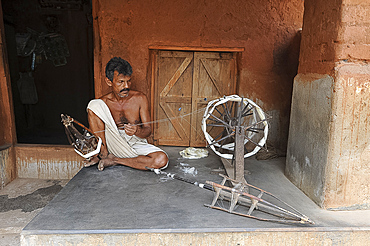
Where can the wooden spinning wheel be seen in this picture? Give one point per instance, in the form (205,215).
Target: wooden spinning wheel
(235,128)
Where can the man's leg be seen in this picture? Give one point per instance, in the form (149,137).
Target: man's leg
(153,160)
(98,127)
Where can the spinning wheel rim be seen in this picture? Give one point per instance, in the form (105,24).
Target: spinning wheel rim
(230,146)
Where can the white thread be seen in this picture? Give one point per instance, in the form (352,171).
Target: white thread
(164,120)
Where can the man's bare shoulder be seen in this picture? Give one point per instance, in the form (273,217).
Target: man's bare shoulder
(107,97)
(138,95)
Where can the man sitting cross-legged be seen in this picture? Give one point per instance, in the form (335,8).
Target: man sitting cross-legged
(120,118)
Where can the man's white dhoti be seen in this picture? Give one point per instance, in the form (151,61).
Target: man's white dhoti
(118,142)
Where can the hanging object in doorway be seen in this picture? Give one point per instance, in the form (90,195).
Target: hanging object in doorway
(61,5)
(55,48)
(52,46)
(26,44)
(27,88)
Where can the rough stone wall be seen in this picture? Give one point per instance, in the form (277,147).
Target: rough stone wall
(348,171)
(329,160)
(47,162)
(7,163)
(267,30)
(309,133)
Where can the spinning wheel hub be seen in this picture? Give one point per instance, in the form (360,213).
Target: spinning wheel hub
(233,122)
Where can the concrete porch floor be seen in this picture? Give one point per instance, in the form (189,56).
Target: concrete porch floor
(20,201)
(123,206)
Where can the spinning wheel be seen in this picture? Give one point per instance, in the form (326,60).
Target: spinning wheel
(224,115)
(235,128)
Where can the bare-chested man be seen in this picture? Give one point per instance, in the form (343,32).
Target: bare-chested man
(129,114)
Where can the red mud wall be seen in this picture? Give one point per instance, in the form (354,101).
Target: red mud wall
(318,51)
(334,31)
(266,29)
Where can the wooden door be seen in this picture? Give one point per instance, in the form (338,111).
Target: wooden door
(185,83)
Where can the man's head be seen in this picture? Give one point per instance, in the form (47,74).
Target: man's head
(119,65)
(118,76)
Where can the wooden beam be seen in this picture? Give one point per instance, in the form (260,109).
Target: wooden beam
(190,48)
(7,118)
(98,67)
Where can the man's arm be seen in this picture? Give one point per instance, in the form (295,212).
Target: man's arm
(144,130)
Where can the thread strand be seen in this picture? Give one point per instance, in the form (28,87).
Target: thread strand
(164,120)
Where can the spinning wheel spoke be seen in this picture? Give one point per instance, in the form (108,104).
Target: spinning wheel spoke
(215,125)
(246,113)
(226,111)
(254,142)
(215,142)
(251,130)
(222,144)
(219,111)
(219,120)
(232,105)
(254,129)
(219,135)
(245,107)
(259,122)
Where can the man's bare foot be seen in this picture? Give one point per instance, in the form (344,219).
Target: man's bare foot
(106,162)
(92,161)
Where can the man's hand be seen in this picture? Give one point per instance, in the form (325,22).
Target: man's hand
(131,129)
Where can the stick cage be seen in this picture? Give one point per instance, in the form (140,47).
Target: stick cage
(86,144)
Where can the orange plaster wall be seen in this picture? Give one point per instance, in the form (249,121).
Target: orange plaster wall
(334,32)
(318,51)
(354,32)
(267,30)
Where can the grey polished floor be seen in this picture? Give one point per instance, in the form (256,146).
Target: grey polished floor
(124,199)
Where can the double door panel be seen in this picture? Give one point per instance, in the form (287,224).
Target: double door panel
(184,84)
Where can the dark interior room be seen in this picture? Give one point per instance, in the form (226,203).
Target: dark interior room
(50,56)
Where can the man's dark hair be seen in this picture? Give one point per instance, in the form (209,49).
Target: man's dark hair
(119,65)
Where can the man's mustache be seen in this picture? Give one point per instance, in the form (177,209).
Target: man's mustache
(125,89)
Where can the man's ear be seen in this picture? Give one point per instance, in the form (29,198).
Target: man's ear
(109,83)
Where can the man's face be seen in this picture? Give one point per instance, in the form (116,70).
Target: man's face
(121,84)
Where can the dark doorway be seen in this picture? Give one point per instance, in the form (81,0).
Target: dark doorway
(50,56)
